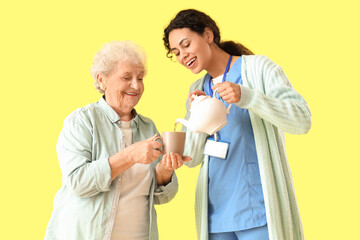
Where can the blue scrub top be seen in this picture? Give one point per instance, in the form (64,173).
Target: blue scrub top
(236,200)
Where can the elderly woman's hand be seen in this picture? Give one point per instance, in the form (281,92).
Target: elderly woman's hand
(172,161)
(145,151)
(167,165)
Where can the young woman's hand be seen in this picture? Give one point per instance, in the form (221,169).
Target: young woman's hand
(196,92)
(228,91)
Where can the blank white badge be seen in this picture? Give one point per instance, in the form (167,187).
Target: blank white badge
(216,149)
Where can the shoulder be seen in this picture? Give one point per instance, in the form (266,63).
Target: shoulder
(258,62)
(145,120)
(84,115)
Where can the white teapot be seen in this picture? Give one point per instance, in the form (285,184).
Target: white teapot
(208,114)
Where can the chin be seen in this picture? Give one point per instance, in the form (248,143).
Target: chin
(196,71)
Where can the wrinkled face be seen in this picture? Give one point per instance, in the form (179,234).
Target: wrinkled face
(191,49)
(124,87)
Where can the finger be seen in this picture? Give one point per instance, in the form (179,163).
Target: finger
(164,159)
(215,86)
(173,161)
(219,86)
(155,145)
(156,154)
(223,86)
(229,99)
(186,159)
(199,92)
(196,92)
(232,94)
(178,160)
(191,100)
(226,96)
(153,137)
(168,162)
(221,90)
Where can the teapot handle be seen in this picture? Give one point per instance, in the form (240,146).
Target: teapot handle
(228,109)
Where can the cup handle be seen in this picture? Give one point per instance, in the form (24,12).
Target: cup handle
(162,144)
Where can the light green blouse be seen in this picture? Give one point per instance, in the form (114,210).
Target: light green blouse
(85,206)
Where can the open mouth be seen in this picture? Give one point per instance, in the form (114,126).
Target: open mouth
(191,62)
(131,94)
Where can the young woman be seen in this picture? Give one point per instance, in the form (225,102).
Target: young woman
(249,194)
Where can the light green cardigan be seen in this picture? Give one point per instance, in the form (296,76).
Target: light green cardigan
(275,107)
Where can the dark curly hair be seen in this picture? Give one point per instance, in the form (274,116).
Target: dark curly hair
(197,21)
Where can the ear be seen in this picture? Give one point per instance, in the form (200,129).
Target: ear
(208,34)
(101,80)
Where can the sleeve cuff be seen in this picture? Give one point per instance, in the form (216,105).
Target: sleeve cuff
(102,172)
(171,187)
(245,96)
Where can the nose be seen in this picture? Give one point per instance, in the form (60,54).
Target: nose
(134,83)
(183,57)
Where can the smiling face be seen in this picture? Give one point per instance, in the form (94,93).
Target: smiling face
(124,87)
(191,49)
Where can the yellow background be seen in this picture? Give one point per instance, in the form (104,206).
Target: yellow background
(47,48)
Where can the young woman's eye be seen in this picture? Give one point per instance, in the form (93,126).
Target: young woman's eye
(176,53)
(187,45)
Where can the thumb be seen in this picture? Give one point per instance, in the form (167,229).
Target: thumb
(186,159)
(216,86)
(153,137)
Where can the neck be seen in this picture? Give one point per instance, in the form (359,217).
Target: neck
(125,113)
(218,62)
(126,117)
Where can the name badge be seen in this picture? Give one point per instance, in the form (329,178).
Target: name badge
(217,149)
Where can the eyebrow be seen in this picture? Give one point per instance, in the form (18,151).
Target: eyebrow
(130,73)
(179,44)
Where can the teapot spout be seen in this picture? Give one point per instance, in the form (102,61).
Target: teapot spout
(183,122)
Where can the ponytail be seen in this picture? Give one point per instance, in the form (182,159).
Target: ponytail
(234,48)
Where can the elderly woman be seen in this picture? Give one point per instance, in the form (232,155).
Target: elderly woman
(112,172)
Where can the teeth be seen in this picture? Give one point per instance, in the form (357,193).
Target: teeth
(133,94)
(191,61)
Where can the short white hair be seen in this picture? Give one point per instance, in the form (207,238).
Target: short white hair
(111,53)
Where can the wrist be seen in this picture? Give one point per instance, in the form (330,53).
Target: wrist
(163,176)
(119,163)
(163,171)
(130,156)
